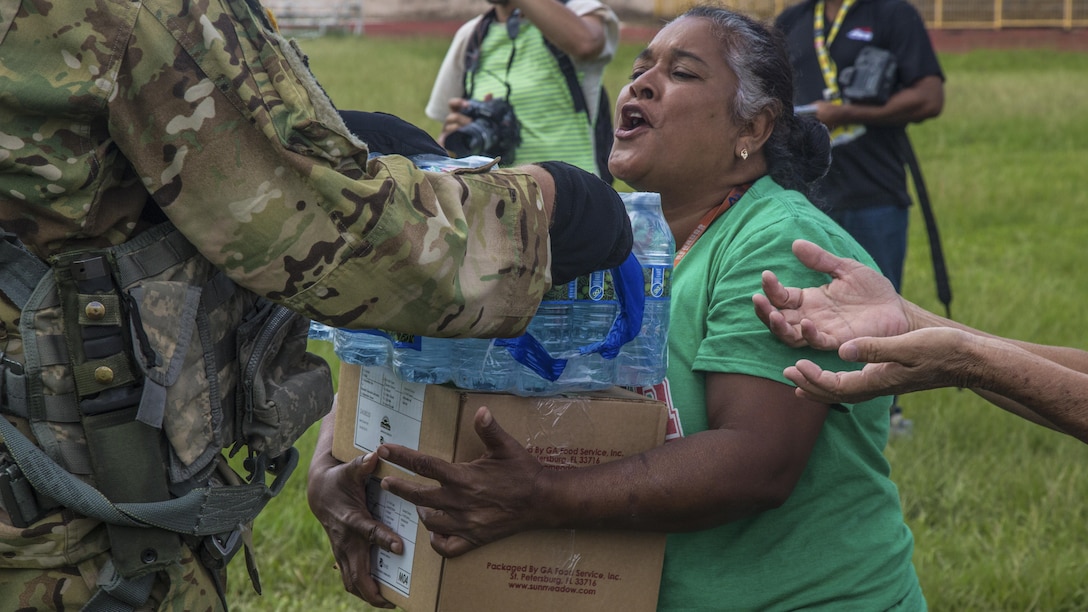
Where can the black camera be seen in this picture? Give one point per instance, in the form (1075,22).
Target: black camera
(494,131)
(870,79)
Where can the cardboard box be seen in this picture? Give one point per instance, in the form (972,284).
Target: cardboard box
(569,570)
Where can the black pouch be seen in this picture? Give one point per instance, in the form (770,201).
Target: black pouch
(871,79)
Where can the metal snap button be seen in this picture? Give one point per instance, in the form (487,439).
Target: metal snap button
(103,374)
(95,311)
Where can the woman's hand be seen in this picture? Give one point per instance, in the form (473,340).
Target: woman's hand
(928,358)
(460,517)
(337,496)
(857,302)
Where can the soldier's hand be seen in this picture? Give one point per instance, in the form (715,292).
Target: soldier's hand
(590,228)
(390,135)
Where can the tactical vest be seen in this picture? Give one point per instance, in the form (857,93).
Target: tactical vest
(141,363)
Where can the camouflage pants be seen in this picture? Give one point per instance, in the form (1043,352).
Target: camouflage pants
(54,565)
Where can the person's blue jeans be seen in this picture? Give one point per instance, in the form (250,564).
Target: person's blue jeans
(882,231)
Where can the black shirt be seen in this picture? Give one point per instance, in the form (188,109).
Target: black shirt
(868,171)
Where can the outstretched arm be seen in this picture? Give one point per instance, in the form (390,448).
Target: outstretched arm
(857,302)
(1005,373)
(910,349)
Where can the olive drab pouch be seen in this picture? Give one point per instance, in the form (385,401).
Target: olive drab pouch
(231,369)
(277,401)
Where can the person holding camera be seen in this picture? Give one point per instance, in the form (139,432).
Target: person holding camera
(523,82)
(892,79)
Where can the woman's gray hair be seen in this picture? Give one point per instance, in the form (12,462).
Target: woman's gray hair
(799,150)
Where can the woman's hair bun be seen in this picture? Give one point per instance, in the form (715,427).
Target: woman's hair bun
(814,153)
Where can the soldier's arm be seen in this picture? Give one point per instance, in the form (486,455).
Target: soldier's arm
(244,153)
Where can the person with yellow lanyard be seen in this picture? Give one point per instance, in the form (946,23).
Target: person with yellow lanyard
(866,188)
(865,191)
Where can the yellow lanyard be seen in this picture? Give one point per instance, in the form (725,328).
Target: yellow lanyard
(734,194)
(827,65)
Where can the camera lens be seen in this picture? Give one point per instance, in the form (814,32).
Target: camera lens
(473,139)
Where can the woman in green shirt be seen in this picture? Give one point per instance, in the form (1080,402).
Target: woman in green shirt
(772,501)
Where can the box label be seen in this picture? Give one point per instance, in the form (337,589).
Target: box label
(566,457)
(394,571)
(388,409)
(555,579)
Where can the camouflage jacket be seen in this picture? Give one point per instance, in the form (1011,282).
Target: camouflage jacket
(111,110)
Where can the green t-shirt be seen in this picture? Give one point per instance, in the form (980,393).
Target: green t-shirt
(839,542)
(550,127)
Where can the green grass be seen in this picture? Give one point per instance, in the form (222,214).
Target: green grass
(997,505)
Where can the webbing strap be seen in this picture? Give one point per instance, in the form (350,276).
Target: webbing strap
(200,512)
(940,270)
(118,594)
(58,408)
(52,350)
(151,253)
(21,270)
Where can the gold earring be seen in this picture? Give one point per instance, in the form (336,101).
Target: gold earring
(744,154)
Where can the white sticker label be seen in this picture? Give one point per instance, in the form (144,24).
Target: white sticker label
(388,410)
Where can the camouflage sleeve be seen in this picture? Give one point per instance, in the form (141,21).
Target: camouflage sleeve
(246,155)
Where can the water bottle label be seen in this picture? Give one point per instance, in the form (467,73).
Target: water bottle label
(560,294)
(657,281)
(406,341)
(596,287)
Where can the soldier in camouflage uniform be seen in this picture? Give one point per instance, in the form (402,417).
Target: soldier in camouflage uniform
(117,116)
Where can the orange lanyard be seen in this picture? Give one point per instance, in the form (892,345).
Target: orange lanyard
(735,194)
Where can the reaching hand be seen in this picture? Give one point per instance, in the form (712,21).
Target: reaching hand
(337,496)
(928,358)
(857,302)
(457,515)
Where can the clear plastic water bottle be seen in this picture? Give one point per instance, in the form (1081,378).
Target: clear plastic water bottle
(478,364)
(370,347)
(320,332)
(422,359)
(592,313)
(551,326)
(643,360)
(439,163)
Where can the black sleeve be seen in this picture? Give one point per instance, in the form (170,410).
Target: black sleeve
(909,40)
(590,227)
(389,134)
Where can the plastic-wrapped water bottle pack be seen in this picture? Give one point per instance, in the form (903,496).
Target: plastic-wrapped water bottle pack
(602,329)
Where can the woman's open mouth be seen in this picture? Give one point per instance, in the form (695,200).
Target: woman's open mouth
(632,120)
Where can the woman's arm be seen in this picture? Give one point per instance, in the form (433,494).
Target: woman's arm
(750,459)
(908,348)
